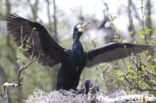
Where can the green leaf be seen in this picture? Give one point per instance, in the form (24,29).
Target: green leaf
(120,78)
(28,41)
(131,71)
(28,46)
(18,61)
(118,72)
(19,50)
(147,16)
(93,39)
(112,26)
(139,72)
(128,66)
(141,36)
(21,46)
(142,67)
(130,76)
(152,37)
(19,56)
(141,32)
(139,82)
(154,81)
(100,64)
(143,75)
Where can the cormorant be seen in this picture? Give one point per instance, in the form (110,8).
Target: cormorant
(72,60)
(88,85)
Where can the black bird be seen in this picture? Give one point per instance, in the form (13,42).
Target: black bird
(73,60)
(88,85)
(97,87)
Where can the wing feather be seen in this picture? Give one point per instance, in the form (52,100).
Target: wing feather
(41,44)
(113,51)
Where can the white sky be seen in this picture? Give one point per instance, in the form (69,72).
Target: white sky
(90,7)
(95,7)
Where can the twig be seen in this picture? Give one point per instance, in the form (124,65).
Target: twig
(19,79)
(150,73)
(127,80)
(149,82)
(5,95)
(21,71)
(145,89)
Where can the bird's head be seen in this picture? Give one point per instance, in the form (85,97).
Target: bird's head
(79,28)
(88,84)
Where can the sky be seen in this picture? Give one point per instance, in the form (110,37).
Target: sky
(90,8)
(95,7)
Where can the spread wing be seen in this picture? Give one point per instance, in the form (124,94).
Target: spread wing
(113,51)
(33,37)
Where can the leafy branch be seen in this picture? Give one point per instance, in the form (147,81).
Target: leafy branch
(23,64)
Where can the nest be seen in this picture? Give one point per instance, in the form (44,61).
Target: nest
(92,97)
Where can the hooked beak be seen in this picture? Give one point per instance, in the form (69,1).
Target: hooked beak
(83,26)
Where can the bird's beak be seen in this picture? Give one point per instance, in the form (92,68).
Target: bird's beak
(84,25)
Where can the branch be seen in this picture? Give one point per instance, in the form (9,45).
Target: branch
(139,88)
(127,80)
(150,73)
(19,77)
(145,89)
(19,80)
(148,81)
(21,72)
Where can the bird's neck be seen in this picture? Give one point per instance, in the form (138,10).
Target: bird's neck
(77,46)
